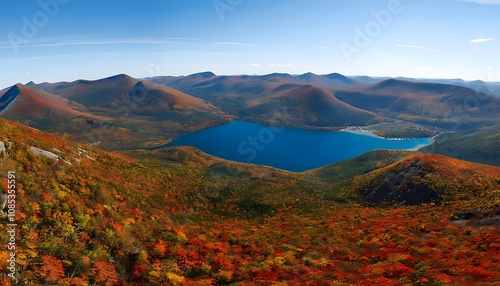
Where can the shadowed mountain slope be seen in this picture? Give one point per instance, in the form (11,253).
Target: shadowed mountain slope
(427,178)
(427,103)
(42,110)
(118,112)
(304,100)
(180,217)
(310,106)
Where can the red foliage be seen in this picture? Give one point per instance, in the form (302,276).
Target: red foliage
(51,269)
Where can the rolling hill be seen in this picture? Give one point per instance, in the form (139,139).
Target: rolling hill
(43,110)
(121,112)
(333,80)
(117,113)
(492,88)
(305,98)
(478,145)
(441,105)
(308,106)
(181,217)
(141,96)
(436,104)
(344,170)
(428,178)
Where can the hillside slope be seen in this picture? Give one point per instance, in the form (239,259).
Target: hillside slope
(428,178)
(180,217)
(43,110)
(142,97)
(115,113)
(440,105)
(302,101)
(308,106)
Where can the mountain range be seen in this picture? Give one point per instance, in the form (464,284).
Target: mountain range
(116,113)
(123,113)
(95,206)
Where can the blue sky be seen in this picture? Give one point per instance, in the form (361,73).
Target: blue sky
(64,40)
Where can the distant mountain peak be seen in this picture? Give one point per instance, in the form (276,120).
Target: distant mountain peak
(335,75)
(391,82)
(206,74)
(307,75)
(17,86)
(339,77)
(10,95)
(278,75)
(119,77)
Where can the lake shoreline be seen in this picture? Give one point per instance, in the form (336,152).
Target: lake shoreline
(291,149)
(369,132)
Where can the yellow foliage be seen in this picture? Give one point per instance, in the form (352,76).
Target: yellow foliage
(175,279)
(4,256)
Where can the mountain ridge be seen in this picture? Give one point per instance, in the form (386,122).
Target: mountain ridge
(170,106)
(179,216)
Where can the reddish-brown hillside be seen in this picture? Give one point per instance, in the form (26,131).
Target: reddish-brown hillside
(93,93)
(428,178)
(140,97)
(156,99)
(180,217)
(41,109)
(117,112)
(436,104)
(312,106)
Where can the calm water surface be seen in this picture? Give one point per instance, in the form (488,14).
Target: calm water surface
(287,148)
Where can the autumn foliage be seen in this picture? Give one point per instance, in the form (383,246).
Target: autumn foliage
(103,220)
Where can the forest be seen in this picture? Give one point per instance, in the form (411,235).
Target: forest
(181,217)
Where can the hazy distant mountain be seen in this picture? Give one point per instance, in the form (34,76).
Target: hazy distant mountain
(333,80)
(308,105)
(305,98)
(124,112)
(369,80)
(492,88)
(436,104)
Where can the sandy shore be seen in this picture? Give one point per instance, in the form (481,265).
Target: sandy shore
(360,130)
(369,132)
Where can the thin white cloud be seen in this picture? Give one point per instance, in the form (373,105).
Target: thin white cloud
(105,54)
(459,57)
(234,44)
(33,58)
(481,40)
(486,2)
(417,47)
(254,65)
(100,42)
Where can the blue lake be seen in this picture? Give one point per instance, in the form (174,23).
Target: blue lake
(289,149)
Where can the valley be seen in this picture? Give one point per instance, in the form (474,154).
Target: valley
(290,149)
(109,194)
(250,143)
(178,216)
(121,113)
